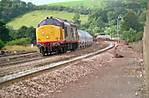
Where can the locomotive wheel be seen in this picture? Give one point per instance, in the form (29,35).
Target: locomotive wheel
(43,53)
(64,49)
(74,47)
(47,53)
(61,50)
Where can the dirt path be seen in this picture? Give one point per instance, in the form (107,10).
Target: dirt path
(115,83)
(120,78)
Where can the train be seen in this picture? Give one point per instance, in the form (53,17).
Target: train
(54,35)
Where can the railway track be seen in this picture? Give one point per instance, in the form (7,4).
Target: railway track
(20,58)
(14,54)
(31,71)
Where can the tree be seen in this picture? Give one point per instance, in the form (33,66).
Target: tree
(76,19)
(134,5)
(12,8)
(1,44)
(97,21)
(24,32)
(111,31)
(30,5)
(131,20)
(142,17)
(4,32)
(31,33)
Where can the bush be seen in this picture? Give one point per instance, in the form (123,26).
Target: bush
(111,31)
(132,35)
(21,41)
(24,32)
(1,44)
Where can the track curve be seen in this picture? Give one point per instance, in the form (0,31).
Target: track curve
(49,66)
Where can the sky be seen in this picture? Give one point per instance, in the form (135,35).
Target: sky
(41,2)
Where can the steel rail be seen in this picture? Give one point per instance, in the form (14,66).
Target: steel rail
(49,66)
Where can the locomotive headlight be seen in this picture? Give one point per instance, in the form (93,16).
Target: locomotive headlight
(47,37)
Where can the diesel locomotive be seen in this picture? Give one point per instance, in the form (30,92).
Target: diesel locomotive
(59,36)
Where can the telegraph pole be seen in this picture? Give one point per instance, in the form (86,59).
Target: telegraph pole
(118,26)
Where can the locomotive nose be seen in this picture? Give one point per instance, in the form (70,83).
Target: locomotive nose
(49,33)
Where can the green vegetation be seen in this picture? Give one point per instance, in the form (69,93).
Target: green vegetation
(111,31)
(33,18)
(24,32)
(131,20)
(23,36)
(1,44)
(21,41)
(76,19)
(125,17)
(81,3)
(4,32)
(9,9)
(15,48)
(132,35)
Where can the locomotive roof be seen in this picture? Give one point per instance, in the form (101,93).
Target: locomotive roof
(56,21)
(66,22)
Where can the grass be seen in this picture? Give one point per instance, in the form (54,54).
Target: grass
(35,17)
(20,48)
(77,3)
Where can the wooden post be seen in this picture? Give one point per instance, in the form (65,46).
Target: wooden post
(146,50)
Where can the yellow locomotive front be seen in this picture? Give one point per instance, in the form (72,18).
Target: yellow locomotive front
(49,35)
